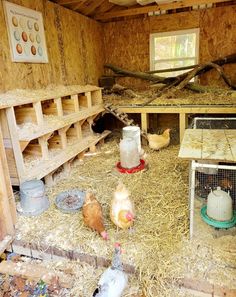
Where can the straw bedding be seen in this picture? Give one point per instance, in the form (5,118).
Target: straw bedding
(174,98)
(157,246)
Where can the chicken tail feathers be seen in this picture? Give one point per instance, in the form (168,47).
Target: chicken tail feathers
(95,292)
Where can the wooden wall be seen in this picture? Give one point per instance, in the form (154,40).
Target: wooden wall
(74,45)
(127,42)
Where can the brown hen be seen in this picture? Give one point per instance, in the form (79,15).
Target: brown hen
(92,215)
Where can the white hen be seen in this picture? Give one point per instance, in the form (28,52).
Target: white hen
(113,281)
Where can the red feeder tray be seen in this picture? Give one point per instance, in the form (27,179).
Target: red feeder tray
(140,167)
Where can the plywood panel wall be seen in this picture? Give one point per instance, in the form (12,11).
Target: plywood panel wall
(127,41)
(218,39)
(74,45)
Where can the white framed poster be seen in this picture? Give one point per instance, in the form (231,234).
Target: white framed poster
(25,34)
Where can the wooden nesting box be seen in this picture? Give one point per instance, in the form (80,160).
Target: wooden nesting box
(46,129)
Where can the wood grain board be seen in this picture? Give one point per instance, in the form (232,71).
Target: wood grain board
(209,144)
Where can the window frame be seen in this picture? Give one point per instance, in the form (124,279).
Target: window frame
(172,33)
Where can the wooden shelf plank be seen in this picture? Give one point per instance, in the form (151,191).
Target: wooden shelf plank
(191,146)
(35,272)
(215,146)
(24,97)
(209,144)
(46,167)
(230,108)
(62,122)
(231,138)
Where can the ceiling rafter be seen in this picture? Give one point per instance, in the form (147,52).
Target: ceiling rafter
(90,9)
(152,8)
(65,2)
(107,6)
(79,6)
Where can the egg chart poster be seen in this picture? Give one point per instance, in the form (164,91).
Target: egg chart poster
(25,33)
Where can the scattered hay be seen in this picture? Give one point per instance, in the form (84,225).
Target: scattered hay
(158,246)
(176,98)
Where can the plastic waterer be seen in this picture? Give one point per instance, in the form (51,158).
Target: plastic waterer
(32,198)
(219,205)
(132,132)
(129,154)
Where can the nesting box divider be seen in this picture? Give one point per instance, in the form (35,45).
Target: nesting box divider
(39,112)
(58,103)
(75,99)
(62,133)
(43,141)
(11,118)
(78,130)
(89,99)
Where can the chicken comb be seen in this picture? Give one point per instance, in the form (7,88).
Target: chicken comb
(117,244)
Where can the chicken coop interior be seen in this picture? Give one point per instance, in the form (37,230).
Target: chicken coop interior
(118,148)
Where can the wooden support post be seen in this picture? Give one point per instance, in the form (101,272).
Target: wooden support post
(144,121)
(76,102)
(39,113)
(182,125)
(58,103)
(7,202)
(144,124)
(89,99)
(15,140)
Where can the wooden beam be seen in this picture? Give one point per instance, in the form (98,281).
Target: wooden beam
(35,272)
(78,6)
(5,243)
(152,8)
(107,6)
(90,9)
(65,2)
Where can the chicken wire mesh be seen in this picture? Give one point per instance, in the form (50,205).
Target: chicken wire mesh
(208,179)
(209,174)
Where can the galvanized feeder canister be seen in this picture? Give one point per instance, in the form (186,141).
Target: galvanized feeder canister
(32,198)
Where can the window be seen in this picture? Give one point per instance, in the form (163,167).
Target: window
(173,50)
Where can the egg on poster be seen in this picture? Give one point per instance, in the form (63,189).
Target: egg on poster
(38,39)
(19,48)
(24,36)
(15,21)
(27,49)
(16,35)
(22,23)
(36,26)
(33,50)
(29,24)
(40,51)
(31,37)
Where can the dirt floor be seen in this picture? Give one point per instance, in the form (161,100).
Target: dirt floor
(158,246)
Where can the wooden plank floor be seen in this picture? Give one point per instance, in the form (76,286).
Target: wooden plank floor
(209,144)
